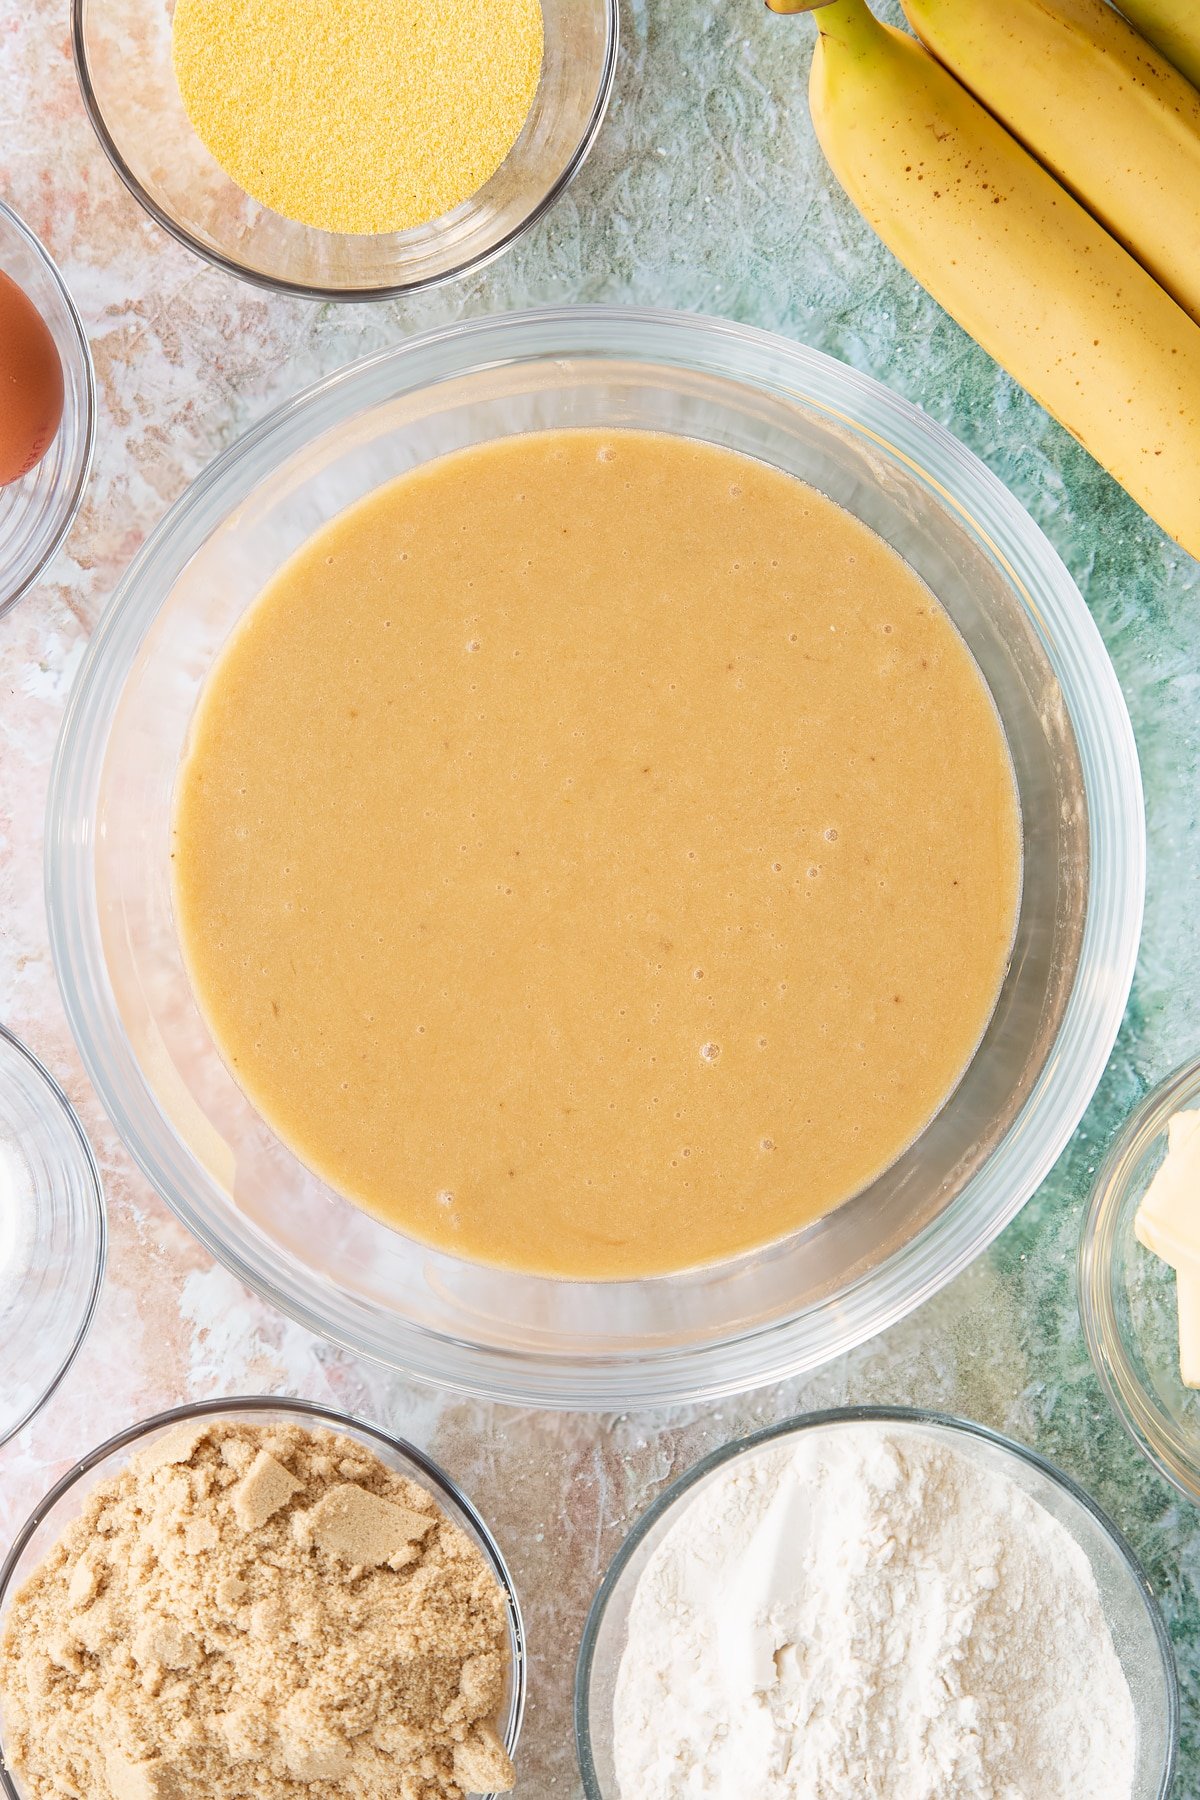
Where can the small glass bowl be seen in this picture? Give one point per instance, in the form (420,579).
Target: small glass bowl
(64,1503)
(1138,1632)
(122,54)
(52,1235)
(1127,1294)
(36,512)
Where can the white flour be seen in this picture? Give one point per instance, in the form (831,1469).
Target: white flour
(868,1613)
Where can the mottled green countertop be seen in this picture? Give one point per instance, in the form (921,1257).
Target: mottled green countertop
(707,192)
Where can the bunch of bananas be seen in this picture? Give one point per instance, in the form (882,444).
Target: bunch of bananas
(1036,165)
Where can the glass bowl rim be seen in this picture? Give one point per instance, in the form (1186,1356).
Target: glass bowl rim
(1161,1445)
(34,243)
(304,290)
(746,357)
(306,1410)
(95,1191)
(836,1415)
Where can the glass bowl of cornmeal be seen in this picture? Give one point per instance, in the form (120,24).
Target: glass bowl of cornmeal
(1139,1277)
(596,858)
(341,151)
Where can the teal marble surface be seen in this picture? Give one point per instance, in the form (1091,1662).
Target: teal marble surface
(707,192)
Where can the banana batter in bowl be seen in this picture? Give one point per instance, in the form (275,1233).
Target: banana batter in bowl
(596,853)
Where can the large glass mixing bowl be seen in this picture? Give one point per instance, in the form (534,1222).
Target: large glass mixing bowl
(523,1338)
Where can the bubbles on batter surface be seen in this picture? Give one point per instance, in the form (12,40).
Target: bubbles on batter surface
(710,1052)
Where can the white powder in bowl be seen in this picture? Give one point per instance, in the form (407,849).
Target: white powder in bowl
(16,1225)
(869,1613)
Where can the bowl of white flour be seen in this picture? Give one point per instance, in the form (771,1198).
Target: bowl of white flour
(876,1604)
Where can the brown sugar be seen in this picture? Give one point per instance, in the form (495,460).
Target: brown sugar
(257,1610)
(357,118)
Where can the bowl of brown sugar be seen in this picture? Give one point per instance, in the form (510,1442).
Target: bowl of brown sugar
(249,1597)
(339,151)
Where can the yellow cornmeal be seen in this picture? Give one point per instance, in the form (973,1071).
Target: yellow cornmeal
(358,116)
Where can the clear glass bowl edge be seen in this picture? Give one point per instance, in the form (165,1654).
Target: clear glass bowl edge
(1109,754)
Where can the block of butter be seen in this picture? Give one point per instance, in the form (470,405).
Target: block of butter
(1168,1223)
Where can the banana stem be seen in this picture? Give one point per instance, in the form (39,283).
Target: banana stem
(854,16)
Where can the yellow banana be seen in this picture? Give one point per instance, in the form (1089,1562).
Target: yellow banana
(1014,259)
(1172,25)
(1103,110)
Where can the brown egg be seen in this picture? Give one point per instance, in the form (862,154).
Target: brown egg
(31,384)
